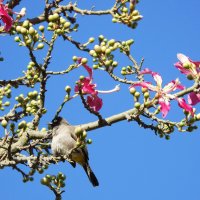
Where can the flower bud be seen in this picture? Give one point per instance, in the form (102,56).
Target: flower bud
(4,123)
(41,28)
(84,61)
(91,40)
(137,105)
(68,89)
(74,58)
(23,31)
(31,31)
(89,141)
(67,25)
(40,46)
(132,90)
(17,39)
(97,49)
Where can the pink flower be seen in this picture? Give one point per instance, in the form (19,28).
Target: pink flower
(88,88)
(7,20)
(193,98)
(192,68)
(163,94)
(187,66)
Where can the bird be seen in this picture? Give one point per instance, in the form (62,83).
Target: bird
(64,142)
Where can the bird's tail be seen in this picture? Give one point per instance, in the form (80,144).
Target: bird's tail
(91,175)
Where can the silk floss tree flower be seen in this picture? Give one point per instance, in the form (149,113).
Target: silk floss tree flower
(88,88)
(163,93)
(192,70)
(5,17)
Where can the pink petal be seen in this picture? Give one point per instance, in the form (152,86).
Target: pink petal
(165,106)
(172,86)
(89,70)
(145,84)
(5,18)
(182,58)
(86,86)
(155,75)
(94,102)
(193,98)
(182,103)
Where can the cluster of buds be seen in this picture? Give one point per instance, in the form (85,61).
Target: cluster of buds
(102,53)
(128,70)
(54,182)
(58,24)
(31,104)
(32,74)
(5,92)
(127,14)
(29,36)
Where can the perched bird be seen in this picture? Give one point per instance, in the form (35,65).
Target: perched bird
(64,144)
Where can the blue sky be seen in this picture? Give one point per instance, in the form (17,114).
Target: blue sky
(130,162)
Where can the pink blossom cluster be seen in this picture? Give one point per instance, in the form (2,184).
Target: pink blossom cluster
(164,94)
(88,88)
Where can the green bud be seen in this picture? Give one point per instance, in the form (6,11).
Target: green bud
(123,72)
(41,28)
(111,42)
(101,37)
(132,90)
(40,171)
(114,20)
(45,181)
(67,25)
(92,52)
(84,134)
(187,65)
(17,39)
(81,77)
(108,51)
(68,89)
(31,31)
(103,49)
(137,94)
(190,77)
(198,116)
(130,42)
(62,20)
(18,29)
(107,63)
(50,18)
(146,95)
(95,66)
(91,40)
(7,103)
(137,105)
(89,141)
(32,64)
(40,46)
(23,31)
(25,24)
(84,61)
(74,58)
(22,124)
(4,123)
(55,16)
(97,49)
(114,64)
